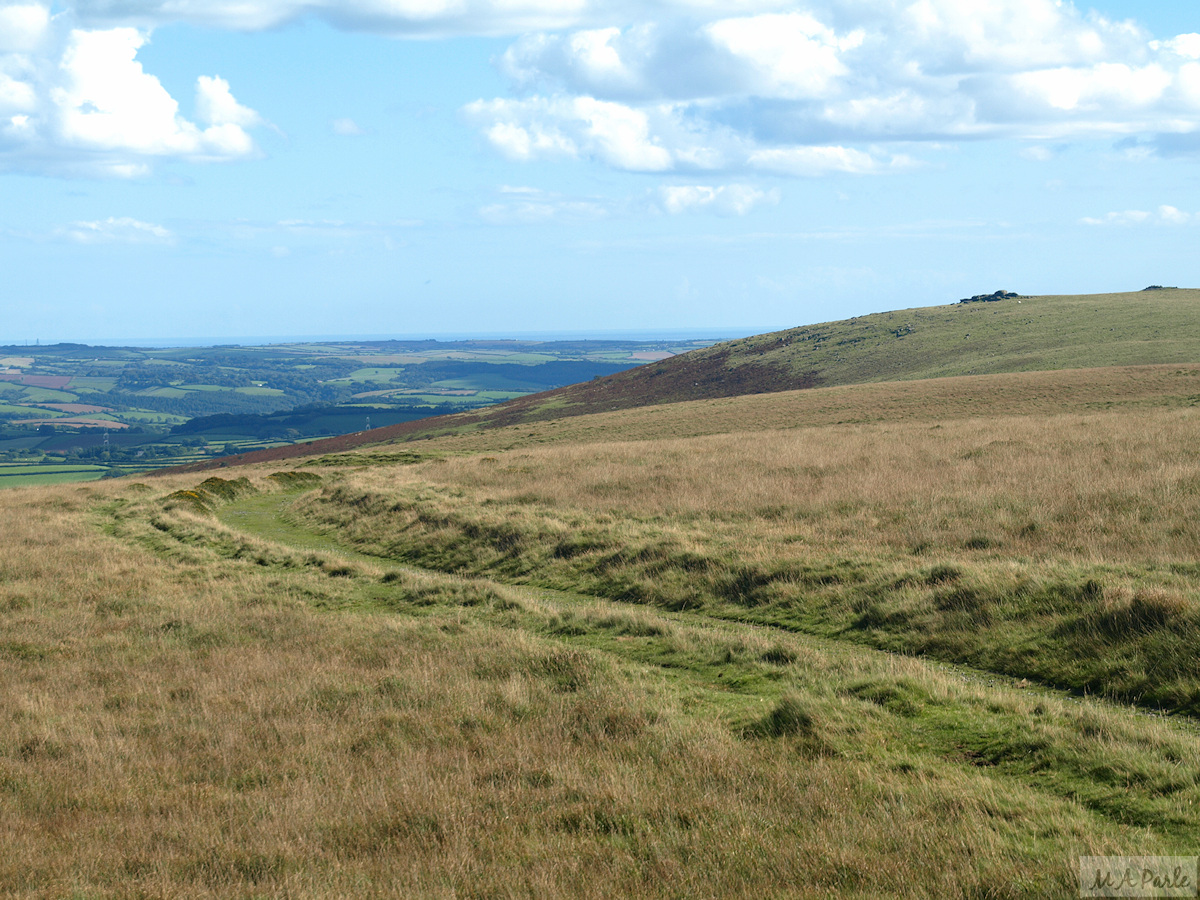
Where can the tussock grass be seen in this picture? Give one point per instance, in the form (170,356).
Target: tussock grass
(647,668)
(183,722)
(1058,548)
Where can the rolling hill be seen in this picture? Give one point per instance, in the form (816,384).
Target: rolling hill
(1017,334)
(918,637)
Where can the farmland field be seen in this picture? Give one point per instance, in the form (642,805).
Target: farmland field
(264,396)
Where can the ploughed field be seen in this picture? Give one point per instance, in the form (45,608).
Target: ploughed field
(930,639)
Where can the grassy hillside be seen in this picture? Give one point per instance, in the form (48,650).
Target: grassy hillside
(1015,335)
(1025,334)
(232,699)
(1068,390)
(935,637)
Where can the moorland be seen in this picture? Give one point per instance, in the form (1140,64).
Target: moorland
(933,634)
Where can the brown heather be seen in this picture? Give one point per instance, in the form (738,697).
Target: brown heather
(598,668)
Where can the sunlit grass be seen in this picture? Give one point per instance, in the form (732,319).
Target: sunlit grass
(606,668)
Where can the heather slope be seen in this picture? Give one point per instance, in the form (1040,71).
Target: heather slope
(1026,334)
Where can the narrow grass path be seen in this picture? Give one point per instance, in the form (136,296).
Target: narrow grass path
(1124,766)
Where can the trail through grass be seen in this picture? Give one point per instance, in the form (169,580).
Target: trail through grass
(1120,764)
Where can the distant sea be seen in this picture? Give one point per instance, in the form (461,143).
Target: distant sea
(662,334)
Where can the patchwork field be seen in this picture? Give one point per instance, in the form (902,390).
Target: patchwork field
(936,638)
(169,406)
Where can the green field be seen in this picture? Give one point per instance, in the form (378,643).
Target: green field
(91,383)
(245,395)
(30,412)
(45,395)
(32,476)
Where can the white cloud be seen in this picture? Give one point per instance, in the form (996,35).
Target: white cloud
(791,55)
(797,86)
(1172,216)
(346,127)
(724,200)
(1164,215)
(117,231)
(106,101)
(216,106)
(1184,45)
(816,161)
(23,27)
(539,127)
(79,102)
(393,17)
(810,88)
(1038,153)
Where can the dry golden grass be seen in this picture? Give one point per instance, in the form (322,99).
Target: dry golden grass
(1062,548)
(235,707)
(930,400)
(1103,487)
(180,719)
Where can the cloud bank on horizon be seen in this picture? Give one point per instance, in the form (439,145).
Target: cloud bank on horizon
(691,87)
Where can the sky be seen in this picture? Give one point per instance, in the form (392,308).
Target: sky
(230,169)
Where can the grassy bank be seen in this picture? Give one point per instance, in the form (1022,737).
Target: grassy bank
(1061,549)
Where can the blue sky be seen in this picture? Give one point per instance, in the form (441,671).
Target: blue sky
(227,169)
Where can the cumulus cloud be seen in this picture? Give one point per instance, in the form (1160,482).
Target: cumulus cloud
(791,86)
(815,161)
(22,27)
(724,200)
(77,101)
(810,89)
(540,127)
(390,17)
(117,231)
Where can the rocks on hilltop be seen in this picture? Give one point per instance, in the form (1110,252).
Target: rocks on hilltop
(988,298)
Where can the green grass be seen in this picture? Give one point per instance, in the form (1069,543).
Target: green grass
(23,469)
(92,383)
(831,700)
(377,375)
(50,475)
(1033,334)
(29,411)
(46,395)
